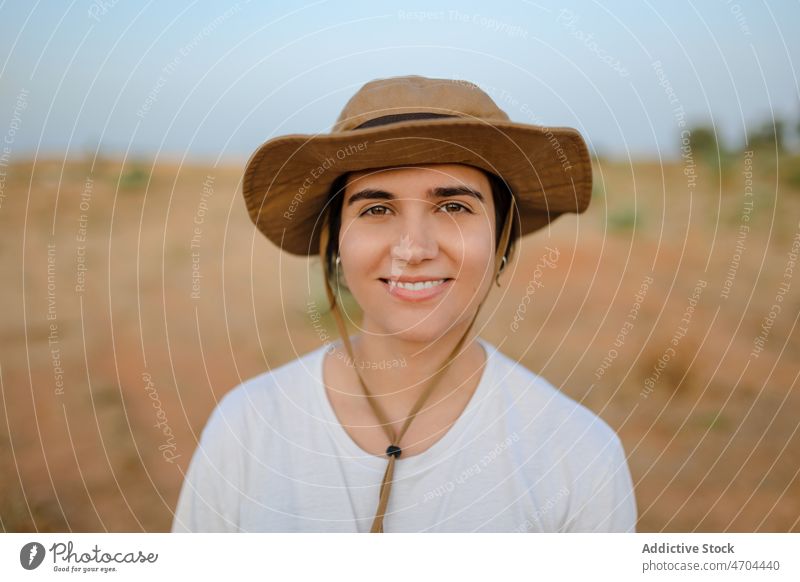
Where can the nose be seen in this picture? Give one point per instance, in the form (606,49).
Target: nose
(416,242)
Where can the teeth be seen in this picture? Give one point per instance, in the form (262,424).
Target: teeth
(415,286)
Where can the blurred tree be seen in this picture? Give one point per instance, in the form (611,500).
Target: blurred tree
(708,148)
(769,135)
(703,141)
(797,127)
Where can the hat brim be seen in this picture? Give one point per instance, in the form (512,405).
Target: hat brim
(287,180)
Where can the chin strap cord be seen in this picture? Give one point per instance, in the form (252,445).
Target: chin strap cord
(394,451)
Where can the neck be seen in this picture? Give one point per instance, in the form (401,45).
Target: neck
(398,370)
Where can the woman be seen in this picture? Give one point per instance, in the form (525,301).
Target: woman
(413,202)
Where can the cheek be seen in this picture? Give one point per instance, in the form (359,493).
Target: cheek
(360,254)
(347,239)
(476,252)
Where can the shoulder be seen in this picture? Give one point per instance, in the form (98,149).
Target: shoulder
(551,418)
(272,393)
(582,456)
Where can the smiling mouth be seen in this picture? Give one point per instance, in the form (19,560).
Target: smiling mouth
(416,292)
(418,286)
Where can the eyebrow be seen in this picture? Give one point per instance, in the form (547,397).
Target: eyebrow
(440,192)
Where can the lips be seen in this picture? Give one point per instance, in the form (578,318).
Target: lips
(418,291)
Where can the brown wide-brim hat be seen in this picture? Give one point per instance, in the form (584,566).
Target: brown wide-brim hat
(414,120)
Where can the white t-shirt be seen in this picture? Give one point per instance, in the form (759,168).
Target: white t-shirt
(273,457)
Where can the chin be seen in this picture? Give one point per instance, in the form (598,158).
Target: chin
(419,329)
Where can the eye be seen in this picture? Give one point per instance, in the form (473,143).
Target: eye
(457,205)
(368,211)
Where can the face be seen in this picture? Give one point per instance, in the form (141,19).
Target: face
(417,247)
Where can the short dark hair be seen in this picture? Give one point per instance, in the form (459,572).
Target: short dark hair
(501,194)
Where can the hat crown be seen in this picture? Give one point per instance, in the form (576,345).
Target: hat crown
(417,94)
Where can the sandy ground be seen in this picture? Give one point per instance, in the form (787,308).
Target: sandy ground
(111,360)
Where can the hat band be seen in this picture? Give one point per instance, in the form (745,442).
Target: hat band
(396,117)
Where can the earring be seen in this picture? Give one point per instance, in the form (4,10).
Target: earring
(338,261)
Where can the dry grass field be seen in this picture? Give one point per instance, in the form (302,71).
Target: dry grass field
(135,296)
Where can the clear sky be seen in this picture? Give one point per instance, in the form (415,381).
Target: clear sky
(215,79)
